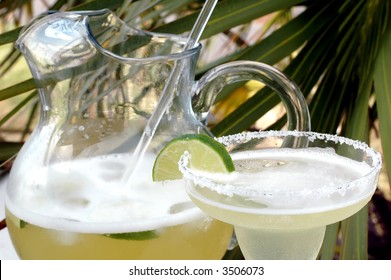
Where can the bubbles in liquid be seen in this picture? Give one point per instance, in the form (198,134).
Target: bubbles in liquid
(110,170)
(253,165)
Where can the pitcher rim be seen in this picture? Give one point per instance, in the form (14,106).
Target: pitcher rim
(168,57)
(85,17)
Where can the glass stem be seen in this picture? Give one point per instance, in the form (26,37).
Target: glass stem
(280,244)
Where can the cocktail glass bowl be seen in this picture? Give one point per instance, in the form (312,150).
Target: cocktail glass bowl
(287,186)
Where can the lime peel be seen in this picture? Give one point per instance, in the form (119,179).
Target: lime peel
(206,154)
(142,235)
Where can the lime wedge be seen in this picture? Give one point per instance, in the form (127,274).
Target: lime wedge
(206,154)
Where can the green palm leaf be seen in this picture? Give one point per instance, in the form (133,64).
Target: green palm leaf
(382,74)
(228,14)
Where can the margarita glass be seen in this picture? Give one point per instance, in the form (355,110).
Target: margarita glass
(286,188)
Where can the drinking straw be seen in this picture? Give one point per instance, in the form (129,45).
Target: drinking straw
(170,86)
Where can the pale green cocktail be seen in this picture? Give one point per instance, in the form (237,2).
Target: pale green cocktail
(286,188)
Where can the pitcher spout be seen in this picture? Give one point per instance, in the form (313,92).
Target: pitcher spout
(57,41)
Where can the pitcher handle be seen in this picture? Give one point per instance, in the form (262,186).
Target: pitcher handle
(212,82)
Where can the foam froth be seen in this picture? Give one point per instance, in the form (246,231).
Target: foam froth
(86,196)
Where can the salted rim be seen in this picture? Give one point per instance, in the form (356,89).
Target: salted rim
(231,189)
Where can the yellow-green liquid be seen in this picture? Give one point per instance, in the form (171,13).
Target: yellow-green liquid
(204,238)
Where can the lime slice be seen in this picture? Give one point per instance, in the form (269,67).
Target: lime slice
(206,154)
(142,235)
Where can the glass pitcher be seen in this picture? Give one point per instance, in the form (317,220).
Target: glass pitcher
(99,82)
